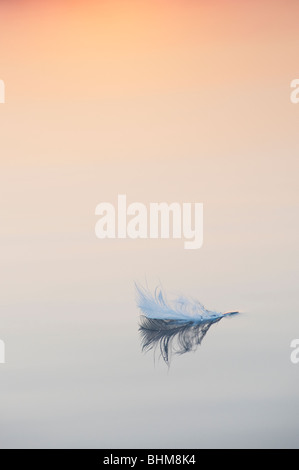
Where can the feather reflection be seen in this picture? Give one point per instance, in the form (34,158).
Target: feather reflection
(173,327)
(172,336)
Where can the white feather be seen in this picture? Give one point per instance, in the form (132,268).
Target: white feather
(156,306)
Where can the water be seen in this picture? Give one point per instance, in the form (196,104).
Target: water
(75,375)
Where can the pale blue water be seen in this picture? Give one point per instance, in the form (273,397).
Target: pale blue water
(75,375)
